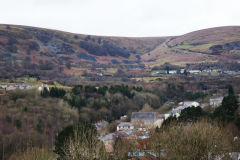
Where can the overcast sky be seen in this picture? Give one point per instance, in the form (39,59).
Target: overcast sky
(122,17)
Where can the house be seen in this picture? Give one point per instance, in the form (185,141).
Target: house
(142,155)
(24,86)
(100,74)
(100,124)
(172,72)
(124,126)
(144,135)
(9,88)
(108,141)
(235,155)
(175,112)
(143,119)
(194,71)
(168,103)
(182,105)
(215,102)
(126,134)
(155,73)
(159,120)
(207,70)
(189,104)
(40,88)
(166,115)
(123,117)
(182,71)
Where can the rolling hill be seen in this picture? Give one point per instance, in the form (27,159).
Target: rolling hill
(49,53)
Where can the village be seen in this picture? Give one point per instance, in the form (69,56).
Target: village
(5,88)
(141,125)
(194,72)
(137,127)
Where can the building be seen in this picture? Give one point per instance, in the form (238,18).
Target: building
(182,71)
(40,88)
(143,119)
(182,105)
(11,87)
(100,124)
(124,126)
(123,117)
(108,141)
(235,155)
(159,120)
(215,102)
(186,104)
(172,72)
(194,71)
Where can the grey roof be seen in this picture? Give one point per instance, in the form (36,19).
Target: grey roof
(123,124)
(216,99)
(144,115)
(107,137)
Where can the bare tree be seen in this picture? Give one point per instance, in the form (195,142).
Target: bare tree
(200,140)
(84,144)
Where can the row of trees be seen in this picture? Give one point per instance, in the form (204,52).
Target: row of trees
(54,92)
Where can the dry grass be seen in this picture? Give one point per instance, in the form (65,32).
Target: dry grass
(34,154)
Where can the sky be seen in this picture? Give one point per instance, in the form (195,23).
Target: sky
(132,18)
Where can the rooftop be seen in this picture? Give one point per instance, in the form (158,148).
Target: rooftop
(144,115)
(123,124)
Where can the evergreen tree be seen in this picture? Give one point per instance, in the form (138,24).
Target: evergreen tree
(227,111)
(44,93)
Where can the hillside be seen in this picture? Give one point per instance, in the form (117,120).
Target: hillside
(41,51)
(208,45)
(50,53)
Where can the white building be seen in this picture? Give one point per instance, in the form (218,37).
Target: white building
(182,105)
(189,104)
(40,88)
(124,126)
(215,102)
(182,71)
(172,72)
(194,71)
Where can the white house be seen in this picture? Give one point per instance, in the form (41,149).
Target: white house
(182,105)
(215,102)
(40,88)
(124,126)
(172,72)
(189,104)
(194,71)
(159,120)
(182,71)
